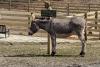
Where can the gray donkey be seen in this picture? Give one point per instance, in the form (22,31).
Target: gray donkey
(76,25)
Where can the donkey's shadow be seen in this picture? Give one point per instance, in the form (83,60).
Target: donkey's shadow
(46,55)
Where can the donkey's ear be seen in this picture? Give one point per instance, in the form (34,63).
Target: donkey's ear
(33,16)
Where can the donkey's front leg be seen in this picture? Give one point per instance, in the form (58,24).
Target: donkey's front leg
(53,39)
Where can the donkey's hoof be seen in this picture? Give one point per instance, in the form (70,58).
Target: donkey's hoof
(53,53)
(82,54)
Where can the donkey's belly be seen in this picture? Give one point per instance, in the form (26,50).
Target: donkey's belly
(63,31)
(62,28)
(64,35)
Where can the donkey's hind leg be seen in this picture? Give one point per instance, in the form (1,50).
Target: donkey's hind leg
(83,43)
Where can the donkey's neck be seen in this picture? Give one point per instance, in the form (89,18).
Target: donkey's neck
(44,24)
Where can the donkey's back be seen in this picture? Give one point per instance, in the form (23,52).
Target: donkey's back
(65,26)
(75,20)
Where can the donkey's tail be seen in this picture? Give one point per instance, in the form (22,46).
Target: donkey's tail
(85,31)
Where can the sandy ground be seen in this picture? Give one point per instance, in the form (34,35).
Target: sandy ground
(38,62)
(22,38)
(42,61)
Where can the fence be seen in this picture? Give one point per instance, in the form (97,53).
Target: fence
(15,20)
(93,23)
(62,8)
(19,21)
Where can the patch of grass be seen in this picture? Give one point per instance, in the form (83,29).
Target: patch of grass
(66,53)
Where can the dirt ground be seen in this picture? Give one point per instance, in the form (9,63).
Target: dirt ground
(32,52)
(39,62)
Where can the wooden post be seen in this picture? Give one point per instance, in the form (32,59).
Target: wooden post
(96,19)
(96,22)
(47,5)
(10,4)
(89,5)
(28,5)
(85,16)
(68,9)
(99,35)
(28,24)
(49,45)
(49,42)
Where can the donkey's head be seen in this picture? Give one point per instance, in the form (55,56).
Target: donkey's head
(37,24)
(33,28)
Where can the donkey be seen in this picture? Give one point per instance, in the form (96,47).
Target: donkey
(75,25)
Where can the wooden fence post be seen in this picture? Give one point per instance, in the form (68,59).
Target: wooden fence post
(29,19)
(68,9)
(89,5)
(96,22)
(99,35)
(85,16)
(96,19)
(28,5)
(49,45)
(10,2)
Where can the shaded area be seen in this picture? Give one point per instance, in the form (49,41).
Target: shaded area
(32,55)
